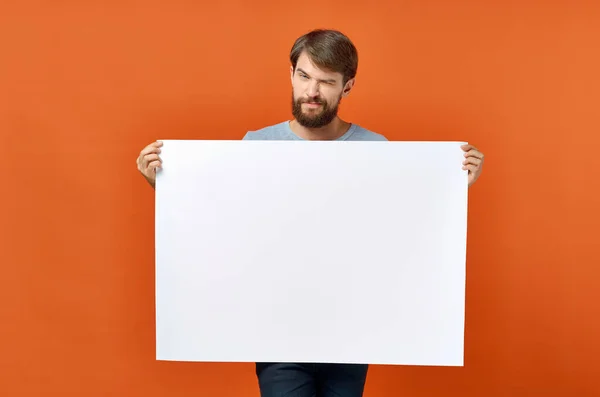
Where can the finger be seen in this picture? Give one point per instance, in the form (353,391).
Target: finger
(152,148)
(154,165)
(471,150)
(473,160)
(474,153)
(156,144)
(142,160)
(471,167)
(150,158)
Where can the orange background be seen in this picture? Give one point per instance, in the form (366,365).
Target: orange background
(85,85)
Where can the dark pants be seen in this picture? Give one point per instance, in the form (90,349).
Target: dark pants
(311,380)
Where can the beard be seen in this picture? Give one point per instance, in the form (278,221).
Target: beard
(315,118)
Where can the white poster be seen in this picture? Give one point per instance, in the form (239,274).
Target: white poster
(311,251)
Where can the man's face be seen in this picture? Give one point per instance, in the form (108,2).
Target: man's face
(316,93)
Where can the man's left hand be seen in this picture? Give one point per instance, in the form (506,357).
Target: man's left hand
(473,162)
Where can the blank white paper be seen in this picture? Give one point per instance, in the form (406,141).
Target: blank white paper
(311,251)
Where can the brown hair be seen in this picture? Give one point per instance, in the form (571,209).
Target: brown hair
(328,49)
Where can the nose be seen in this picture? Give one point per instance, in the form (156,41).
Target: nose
(312,89)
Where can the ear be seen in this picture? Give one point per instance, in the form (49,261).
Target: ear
(348,87)
(292,74)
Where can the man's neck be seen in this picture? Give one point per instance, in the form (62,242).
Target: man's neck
(330,132)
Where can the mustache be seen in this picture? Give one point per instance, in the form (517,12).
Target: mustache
(314,100)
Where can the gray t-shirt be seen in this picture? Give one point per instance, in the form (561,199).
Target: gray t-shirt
(283,132)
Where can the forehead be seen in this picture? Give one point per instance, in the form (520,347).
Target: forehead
(307,65)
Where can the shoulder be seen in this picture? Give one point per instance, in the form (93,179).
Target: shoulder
(271,132)
(362,134)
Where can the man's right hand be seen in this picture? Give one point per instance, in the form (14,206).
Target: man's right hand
(149,161)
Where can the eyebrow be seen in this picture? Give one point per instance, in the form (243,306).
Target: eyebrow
(326,80)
